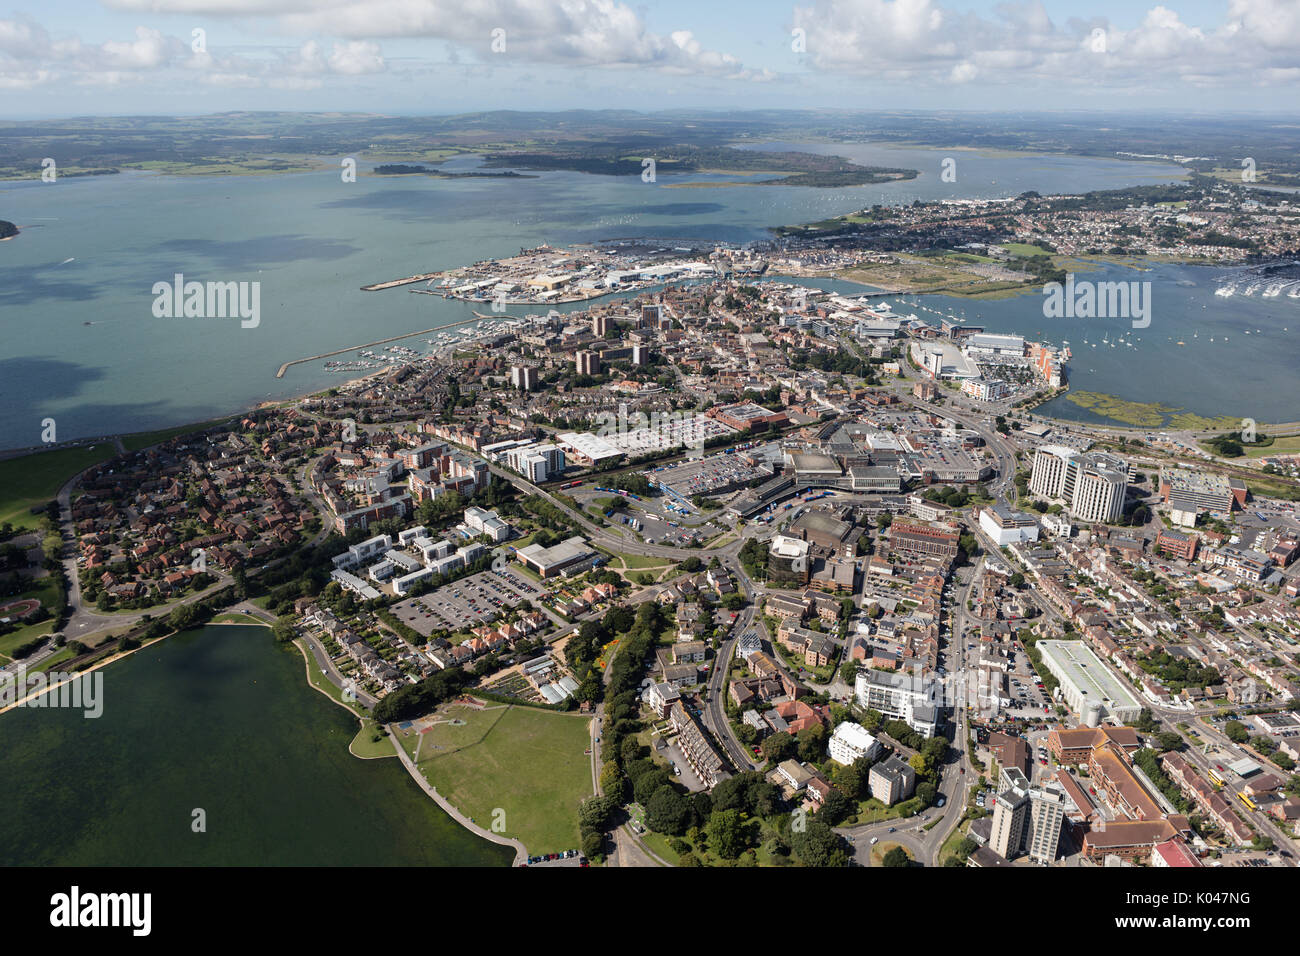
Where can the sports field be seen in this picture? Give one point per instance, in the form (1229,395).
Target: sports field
(35,479)
(526,762)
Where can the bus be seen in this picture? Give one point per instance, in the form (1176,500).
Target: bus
(1214,778)
(1246,800)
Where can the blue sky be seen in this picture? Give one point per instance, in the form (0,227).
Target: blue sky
(75,57)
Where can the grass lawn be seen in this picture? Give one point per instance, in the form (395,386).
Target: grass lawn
(1285,445)
(35,479)
(22,636)
(366,748)
(529,763)
(323,683)
(872,810)
(635,562)
(1024,249)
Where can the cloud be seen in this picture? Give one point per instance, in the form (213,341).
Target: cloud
(566,32)
(922,41)
(30,57)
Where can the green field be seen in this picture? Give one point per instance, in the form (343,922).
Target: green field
(529,763)
(35,479)
(1284,445)
(1024,249)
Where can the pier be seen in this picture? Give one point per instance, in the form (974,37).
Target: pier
(394,283)
(478,317)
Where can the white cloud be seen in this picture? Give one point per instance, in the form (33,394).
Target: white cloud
(923,41)
(571,32)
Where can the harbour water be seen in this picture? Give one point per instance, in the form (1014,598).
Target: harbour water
(79,342)
(1203,353)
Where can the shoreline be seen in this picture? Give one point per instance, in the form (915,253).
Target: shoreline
(521,851)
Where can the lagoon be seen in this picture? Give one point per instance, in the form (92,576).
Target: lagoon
(220,719)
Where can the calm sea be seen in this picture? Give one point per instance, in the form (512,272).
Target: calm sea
(79,342)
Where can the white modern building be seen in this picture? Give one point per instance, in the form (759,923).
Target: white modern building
(1091,484)
(1006,526)
(488,523)
(1086,685)
(912,698)
(852,742)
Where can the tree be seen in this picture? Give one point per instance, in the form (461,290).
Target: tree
(612,782)
(835,808)
(896,856)
(1236,731)
(817,845)
(648,784)
(852,779)
(726,833)
(282,629)
(812,743)
(1169,740)
(595,812)
(593,845)
(779,747)
(667,811)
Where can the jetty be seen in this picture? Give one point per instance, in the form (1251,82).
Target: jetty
(352,348)
(394,283)
(478,317)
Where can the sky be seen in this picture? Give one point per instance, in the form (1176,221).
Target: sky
(184,57)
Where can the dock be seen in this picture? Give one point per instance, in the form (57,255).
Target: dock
(478,317)
(394,283)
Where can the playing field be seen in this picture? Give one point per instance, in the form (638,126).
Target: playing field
(35,479)
(529,763)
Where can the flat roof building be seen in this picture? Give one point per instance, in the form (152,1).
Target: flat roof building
(1086,685)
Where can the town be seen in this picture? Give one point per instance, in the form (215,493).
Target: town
(828,589)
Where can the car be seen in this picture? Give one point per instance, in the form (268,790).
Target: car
(892,829)
(875,840)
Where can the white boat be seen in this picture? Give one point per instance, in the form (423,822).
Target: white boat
(1274,290)
(1226,290)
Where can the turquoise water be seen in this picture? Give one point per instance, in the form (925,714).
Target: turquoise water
(312,240)
(222,719)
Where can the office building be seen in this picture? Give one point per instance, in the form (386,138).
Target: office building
(1091,485)
(1189,490)
(587,362)
(923,539)
(1006,526)
(599,325)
